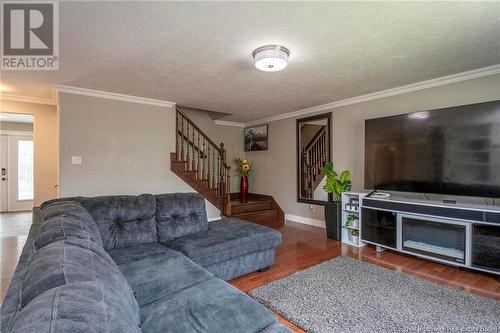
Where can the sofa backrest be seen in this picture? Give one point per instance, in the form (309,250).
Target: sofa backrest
(128,220)
(124,220)
(180,214)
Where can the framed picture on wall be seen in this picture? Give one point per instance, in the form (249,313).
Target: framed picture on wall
(255,138)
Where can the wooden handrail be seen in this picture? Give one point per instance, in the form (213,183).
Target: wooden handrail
(315,138)
(197,128)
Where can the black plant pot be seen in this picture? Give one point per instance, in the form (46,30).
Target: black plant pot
(333,219)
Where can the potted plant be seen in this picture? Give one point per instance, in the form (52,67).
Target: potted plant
(243,170)
(334,186)
(355,236)
(352,220)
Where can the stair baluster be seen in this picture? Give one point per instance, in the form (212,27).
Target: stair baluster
(182,139)
(214,170)
(195,151)
(177,150)
(198,169)
(314,157)
(204,160)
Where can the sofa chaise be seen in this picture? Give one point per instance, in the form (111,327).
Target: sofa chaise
(146,263)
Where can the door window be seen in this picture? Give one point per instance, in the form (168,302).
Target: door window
(25,170)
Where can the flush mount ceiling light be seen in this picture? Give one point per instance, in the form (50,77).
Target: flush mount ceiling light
(271,58)
(419,115)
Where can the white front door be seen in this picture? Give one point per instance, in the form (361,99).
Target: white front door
(3,173)
(20,184)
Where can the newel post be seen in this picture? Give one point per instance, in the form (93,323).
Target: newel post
(225,183)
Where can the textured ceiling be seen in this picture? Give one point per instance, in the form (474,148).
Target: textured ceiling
(198,54)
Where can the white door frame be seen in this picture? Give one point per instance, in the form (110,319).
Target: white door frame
(12,203)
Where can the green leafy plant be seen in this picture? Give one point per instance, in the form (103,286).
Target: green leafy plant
(355,232)
(351,218)
(336,184)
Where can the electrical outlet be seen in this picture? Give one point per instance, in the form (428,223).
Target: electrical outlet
(76,160)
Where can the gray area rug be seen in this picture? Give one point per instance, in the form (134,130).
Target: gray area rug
(346,295)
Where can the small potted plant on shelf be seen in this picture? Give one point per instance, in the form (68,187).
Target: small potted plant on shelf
(352,220)
(355,236)
(334,186)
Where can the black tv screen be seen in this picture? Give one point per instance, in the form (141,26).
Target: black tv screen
(453,151)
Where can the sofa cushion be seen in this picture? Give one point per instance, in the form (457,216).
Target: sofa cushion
(155,271)
(62,227)
(74,260)
(78,307)
(226,239)
(124,220)
(210,306)
(179,215)
(72,217)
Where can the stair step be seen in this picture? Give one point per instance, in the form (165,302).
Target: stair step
(271,217)
(239,208)
(265,212)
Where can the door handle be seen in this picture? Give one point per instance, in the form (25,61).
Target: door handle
(3,172)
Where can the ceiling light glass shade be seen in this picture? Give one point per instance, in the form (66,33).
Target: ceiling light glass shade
(271,58)
(419,115)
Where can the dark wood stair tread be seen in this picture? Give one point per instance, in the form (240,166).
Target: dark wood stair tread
(257,212)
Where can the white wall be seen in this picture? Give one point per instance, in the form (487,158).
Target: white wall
(275,169)
(125,148)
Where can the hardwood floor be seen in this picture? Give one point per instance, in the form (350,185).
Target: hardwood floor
(303,246)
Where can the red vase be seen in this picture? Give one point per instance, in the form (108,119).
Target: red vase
(244,189)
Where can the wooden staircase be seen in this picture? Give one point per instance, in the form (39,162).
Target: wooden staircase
(260,209)
(314,157)
(203,165)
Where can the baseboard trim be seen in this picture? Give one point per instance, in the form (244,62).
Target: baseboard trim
(305,220)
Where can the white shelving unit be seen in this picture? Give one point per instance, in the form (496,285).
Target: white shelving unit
(351,203)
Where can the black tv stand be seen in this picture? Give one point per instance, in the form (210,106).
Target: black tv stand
(456,234)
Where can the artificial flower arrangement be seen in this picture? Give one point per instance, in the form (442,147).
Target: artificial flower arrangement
(243,168)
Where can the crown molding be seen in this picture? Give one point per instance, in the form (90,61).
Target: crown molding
(109,95)
(441,81)
(27,99)
(229,123)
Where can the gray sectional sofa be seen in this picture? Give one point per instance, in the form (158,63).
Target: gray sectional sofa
(137,264)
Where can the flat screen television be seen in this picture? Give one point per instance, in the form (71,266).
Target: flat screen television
(454,151)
